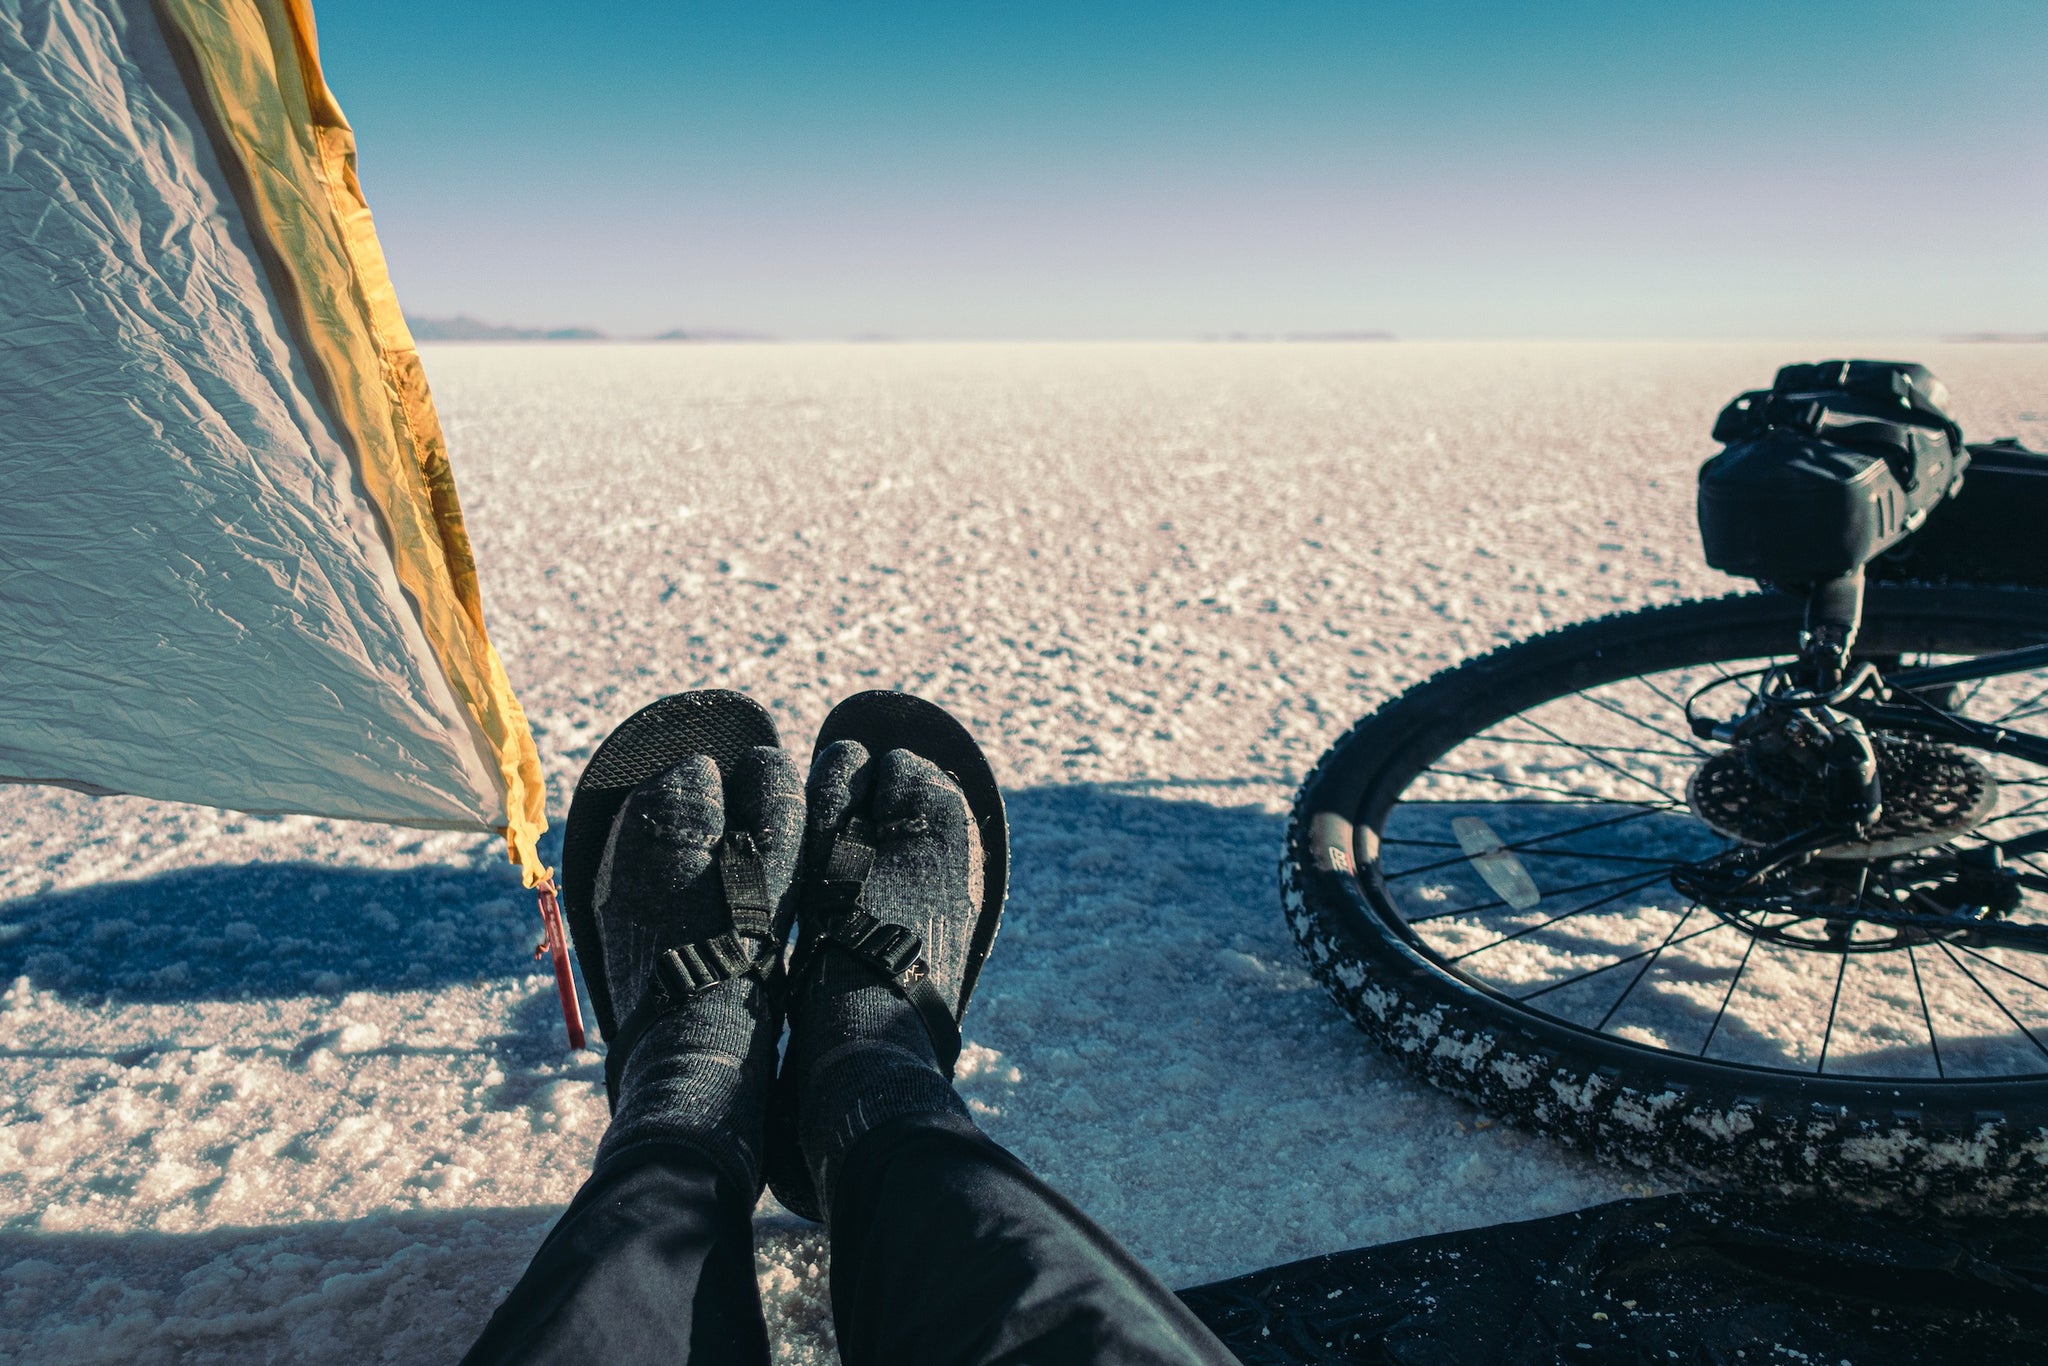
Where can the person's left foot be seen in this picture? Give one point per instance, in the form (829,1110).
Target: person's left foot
(859,1051)
(693,903)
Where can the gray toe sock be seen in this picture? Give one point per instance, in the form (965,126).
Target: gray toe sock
(858,1052)
(701,1073)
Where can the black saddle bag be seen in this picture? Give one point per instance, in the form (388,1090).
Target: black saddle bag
(1826,470)
(1994,531)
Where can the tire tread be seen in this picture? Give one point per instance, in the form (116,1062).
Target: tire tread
(1712,1123)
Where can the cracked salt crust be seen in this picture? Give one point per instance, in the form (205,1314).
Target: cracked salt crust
(286,1089)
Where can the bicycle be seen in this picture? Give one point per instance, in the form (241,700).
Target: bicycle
(1753,888)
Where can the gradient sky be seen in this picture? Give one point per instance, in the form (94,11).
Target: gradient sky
(1049,169)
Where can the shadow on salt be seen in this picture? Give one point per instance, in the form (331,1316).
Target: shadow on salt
(1570,908)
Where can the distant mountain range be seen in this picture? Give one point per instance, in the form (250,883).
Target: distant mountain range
(1998,337)
(1340,336)
(465,328)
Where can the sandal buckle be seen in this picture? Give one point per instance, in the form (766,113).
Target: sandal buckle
(888,946)
(895,947)
(691,968)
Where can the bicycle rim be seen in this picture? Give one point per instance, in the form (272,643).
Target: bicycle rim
(1527,851)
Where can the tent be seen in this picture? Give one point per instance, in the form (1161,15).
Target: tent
(233,569)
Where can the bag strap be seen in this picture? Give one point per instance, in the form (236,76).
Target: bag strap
(1909,448)
(1892,384)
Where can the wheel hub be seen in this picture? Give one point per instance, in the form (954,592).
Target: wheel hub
(1932,794)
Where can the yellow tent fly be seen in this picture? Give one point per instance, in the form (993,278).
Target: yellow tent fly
(233,569)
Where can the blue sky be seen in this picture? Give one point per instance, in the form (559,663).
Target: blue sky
(967,169)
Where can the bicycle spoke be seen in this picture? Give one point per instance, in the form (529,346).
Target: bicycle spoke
(1644,970)
(1525,787)
(1965,968)
(1496,905)
(1566,915)
(1713,1028)
(1674,704)
(1926,1016)
(1963,703)
(2029,809)
(1627,715)
(1608,764)
(1608,967)
(1591,857)
(1586,854)
(2019,710)
(1828,1034)
(1534,732)
(2006,848)
(1522,846)
(1983,958)
(1566,744)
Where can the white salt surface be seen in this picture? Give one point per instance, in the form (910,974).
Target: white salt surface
(289,1090)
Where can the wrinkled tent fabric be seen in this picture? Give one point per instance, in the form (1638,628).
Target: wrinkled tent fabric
(233,569)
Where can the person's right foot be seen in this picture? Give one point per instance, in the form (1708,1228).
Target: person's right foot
(859,1051)
(699,1071)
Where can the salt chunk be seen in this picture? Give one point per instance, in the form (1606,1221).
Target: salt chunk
(981,1063)
(1241,964)
(358,1038)
(31,1271)
(562,1105)
(1081,1103)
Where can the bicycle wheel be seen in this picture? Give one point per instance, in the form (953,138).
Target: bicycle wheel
(1486,874)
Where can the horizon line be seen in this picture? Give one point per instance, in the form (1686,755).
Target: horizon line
(465,329)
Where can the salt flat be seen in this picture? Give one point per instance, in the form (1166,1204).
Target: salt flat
(288,1089)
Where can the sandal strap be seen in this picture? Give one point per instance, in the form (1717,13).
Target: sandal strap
(744,874)
(893,952)
(843,883)
(896,954)
(688,969)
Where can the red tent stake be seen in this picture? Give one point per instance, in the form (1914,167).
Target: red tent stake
(555,945)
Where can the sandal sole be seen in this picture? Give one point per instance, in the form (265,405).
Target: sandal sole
(712,721)
(882,721)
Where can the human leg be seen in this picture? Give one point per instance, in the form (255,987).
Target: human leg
(690,906)
(945,1247)
(948,1249)
(653,1262)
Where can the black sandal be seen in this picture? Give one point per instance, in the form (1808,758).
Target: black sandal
(882,721)
(723,725)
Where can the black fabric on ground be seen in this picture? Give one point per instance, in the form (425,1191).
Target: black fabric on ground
(945,1249)
(652,1262)
(1670,1279)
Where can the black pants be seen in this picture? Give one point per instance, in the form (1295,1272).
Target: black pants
(945,1249)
